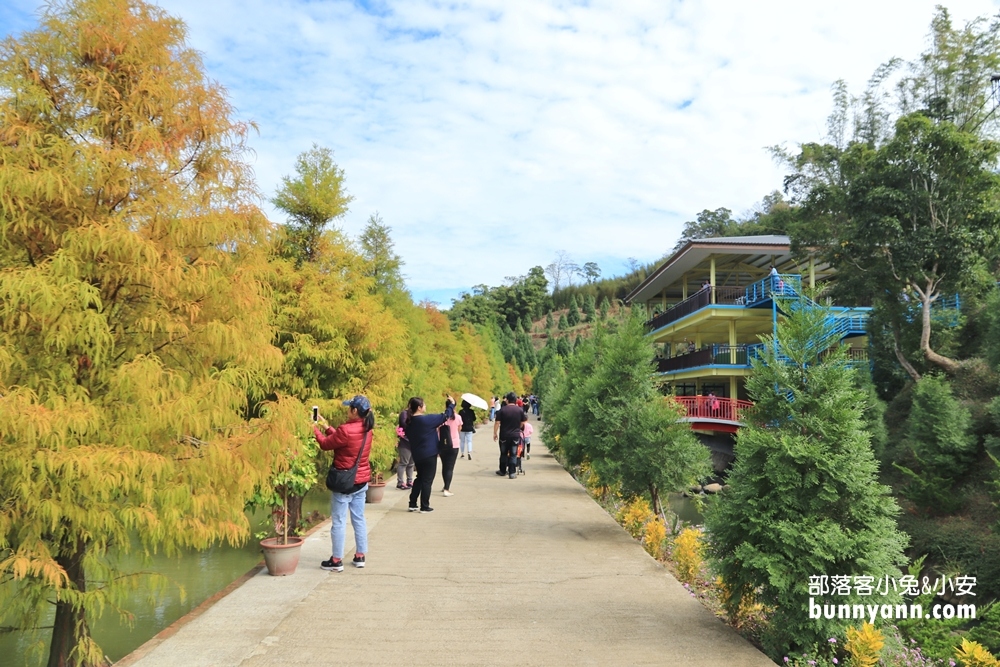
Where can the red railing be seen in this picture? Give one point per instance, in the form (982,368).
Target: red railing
(713,407)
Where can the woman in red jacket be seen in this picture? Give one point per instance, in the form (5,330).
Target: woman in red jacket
(346,440)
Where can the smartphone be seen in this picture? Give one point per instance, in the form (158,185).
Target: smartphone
(315,413)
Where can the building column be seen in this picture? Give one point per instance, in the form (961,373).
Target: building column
(812,272)
(711,275)
(732,342)
(732,387)
(684,287)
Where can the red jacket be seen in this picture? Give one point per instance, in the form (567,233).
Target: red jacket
(345,440)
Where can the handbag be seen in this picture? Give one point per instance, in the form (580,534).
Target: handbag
(342,481)
(444,439)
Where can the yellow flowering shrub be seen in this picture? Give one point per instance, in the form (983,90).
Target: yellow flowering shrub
(634,516)
(973,654)
(864,645)
(688,554)
(652,541)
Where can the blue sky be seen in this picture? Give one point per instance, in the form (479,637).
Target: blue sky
(491,134)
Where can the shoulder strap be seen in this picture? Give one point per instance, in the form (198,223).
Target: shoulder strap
(364,441)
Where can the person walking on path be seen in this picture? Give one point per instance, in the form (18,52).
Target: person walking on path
(448,449)
(468,428)
(421,431)
(506,430)
(526,431)
(346,441)
(404,455)
(493,407)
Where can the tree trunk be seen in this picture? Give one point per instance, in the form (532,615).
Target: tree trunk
(654,496)
(941,361)
(294,513)
(70,625)
(903,361)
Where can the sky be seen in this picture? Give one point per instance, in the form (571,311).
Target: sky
(492,134)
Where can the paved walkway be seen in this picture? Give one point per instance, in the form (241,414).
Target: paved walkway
(506,572)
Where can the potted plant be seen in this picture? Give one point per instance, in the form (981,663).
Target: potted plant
(381,458)
(298,474)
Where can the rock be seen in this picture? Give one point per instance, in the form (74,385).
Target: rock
(696,488)
(713,488)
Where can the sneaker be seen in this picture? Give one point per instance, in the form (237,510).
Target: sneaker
(529,456)
(401,486)
(462,456)
(359,560)
(470,456)
(501,473)
(413,508)
(333,565)
(513,475)
(426,510)
(448,493)
(409,485)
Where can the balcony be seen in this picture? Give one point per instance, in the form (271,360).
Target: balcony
(710,355)
(785,285)
(713,407)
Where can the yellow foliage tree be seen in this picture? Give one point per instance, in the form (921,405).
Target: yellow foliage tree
(689,551)
(133,321)
(973,654)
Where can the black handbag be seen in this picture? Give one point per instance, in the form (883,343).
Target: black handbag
(342,481)
(444,439)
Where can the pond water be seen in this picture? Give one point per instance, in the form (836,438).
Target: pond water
(686,509)
(193,577)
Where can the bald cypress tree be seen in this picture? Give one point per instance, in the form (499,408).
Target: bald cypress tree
(135,338)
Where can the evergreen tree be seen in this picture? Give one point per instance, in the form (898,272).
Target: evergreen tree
(940,444)
(382,264)
(612,414)
(563,347)
(507,342)
(563,322)
(588,307)
(526,324)
(573,315)
(803,497)
(605,308)
(548,321)
(312,199)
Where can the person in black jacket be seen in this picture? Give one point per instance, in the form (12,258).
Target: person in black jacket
(507,431)
(421,431)
(468,428)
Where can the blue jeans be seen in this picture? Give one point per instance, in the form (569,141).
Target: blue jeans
(465,440)
(340,503)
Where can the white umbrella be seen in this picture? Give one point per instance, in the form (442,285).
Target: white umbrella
(475,401)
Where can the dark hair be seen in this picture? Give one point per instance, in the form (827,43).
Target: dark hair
(411,408)
(511,397)
(465,404)
(367,418)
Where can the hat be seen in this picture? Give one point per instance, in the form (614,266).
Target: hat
(359,403)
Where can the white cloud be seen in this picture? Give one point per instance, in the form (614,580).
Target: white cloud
(490,134)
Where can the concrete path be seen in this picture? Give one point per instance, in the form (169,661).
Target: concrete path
(506,572)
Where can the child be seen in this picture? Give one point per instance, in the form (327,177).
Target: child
(526,431)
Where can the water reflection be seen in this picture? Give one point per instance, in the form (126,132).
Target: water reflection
(191,578)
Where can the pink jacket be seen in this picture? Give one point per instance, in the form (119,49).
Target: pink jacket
(527,430)
(453,425)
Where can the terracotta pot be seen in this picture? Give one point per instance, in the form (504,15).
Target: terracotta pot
(281,559)
(375,492)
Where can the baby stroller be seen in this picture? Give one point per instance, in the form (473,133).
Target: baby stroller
(520,454)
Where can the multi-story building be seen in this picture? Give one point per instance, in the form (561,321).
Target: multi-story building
(708,305)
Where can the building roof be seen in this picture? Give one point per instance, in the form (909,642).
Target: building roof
(739,259)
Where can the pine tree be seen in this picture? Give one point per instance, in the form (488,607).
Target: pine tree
(526,325)
(563,347)
(941,445)
(548,321)
(127,234)
(382,264)
(573,315)
(803,497)
(588,307)
(563,322)
(605,308)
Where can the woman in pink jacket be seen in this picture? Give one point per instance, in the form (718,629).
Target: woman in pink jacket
(448,449)
(346,441)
